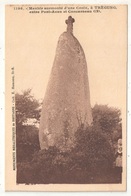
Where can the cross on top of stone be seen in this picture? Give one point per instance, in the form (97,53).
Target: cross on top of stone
(69,23)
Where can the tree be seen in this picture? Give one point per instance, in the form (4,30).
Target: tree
(26,107)
(108,119)
(27,140)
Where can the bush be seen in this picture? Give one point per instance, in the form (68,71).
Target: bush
(25,173)
(91,158)
(40,170)
(93,150)
(27,142)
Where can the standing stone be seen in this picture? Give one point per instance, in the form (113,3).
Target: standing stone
(66,103)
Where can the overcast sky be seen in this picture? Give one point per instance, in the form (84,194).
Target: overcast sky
(31,41)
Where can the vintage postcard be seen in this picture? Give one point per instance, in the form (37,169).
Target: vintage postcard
(66,77)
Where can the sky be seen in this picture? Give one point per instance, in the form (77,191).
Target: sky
(31,41)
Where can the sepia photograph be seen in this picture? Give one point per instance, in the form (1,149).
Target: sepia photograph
(66,77)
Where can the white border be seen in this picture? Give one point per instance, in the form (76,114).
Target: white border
(2,93)
(2,90)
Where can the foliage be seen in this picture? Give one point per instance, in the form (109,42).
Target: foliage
(93,150)
(47,166)
(26,107)
(91,156)
(41,167)
(90,160)
(27,142)
(108,119)
(24,173)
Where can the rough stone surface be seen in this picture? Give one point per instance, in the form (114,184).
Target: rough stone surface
(66,103)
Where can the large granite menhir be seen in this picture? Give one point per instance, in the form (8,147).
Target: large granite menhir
(66,103)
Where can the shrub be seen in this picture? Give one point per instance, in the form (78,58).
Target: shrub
(27,142)
(89,161)
(39,169)
(25,173)
(93,150)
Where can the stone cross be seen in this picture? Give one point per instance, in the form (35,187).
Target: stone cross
(69,23)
